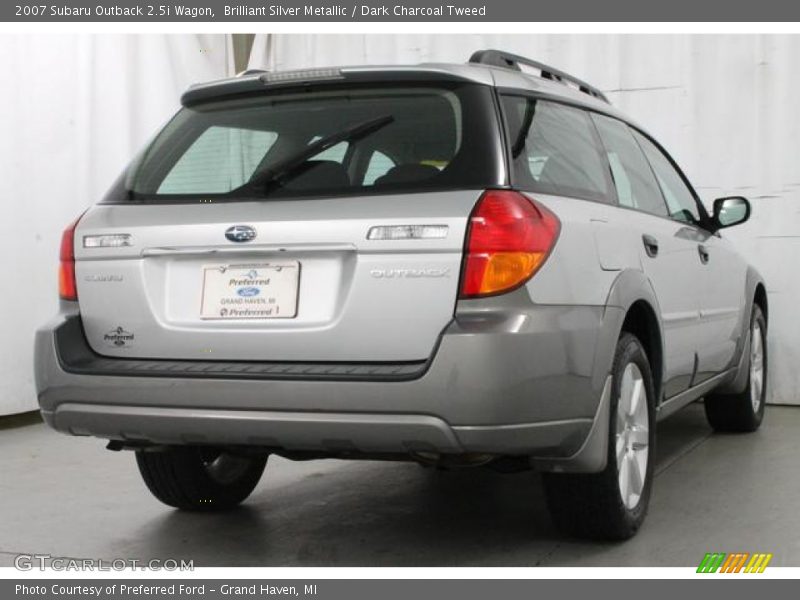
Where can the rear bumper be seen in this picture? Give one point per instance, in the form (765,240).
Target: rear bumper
(334,433)
(511,380)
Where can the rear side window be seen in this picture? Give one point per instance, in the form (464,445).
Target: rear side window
(680,200)
(330,141)
(636,185)
(555,150)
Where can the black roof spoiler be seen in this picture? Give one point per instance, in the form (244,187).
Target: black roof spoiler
(506,60)
(257,80)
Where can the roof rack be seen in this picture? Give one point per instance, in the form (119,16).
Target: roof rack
(506,60)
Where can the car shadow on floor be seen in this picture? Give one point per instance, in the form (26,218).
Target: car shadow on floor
(377,513)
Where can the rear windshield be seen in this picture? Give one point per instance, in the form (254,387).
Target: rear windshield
(324,142)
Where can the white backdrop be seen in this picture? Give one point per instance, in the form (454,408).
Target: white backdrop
(724,106)
(74,109)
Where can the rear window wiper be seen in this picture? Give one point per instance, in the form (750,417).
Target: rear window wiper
(286,168)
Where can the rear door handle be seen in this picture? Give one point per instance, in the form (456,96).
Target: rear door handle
(703,252)
(650,245)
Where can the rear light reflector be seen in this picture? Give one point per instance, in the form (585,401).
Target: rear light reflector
(111,240)
(508,239)
(407,232)
(67,286)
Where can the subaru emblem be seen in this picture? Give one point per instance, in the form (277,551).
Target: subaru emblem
(240,233)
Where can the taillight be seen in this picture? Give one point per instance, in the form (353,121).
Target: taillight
(67,287)
(508,240)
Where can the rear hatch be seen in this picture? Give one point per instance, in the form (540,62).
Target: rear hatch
(317,226)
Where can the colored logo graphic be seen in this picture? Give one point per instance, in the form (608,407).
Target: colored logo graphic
(248,292)
(735,562)
(240,233)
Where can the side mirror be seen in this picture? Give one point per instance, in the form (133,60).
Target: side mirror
(730,211)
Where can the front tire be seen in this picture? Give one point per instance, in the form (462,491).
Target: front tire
(199,478)
(612,504)
(744,412)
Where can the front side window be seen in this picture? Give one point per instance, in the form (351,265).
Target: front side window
(680,200)
(331,141)
(636,185)
(554,149)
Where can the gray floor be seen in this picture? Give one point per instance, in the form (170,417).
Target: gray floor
(69,497)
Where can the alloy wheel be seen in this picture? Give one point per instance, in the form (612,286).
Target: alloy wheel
(632,435)
(756,366)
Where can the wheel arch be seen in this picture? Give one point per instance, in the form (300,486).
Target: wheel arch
(641,321)
(630,305)
(755,293)
(760,298)
(637,312)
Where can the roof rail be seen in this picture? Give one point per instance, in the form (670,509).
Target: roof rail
(506,60)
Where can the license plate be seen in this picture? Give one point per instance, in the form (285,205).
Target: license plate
(256,291)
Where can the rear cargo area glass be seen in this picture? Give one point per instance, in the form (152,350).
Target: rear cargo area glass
(426,138)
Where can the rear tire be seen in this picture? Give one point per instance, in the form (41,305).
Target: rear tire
(744,412)
(199,478)
(612,504)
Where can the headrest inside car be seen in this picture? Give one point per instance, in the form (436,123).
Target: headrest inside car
(407,174)
(319,174)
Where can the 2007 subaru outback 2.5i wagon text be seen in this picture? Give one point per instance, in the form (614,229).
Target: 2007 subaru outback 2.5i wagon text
(479,264)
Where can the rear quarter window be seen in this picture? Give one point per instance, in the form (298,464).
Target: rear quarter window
(555,150)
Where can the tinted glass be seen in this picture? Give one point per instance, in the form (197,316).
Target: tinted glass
(679,198)
(426,138)
(379,165)
(554,149)
(636,185)
(335,153)
(219,160)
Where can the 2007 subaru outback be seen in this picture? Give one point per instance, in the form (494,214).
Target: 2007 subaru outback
(456,264)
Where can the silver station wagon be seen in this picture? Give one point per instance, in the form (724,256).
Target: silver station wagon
(462,265)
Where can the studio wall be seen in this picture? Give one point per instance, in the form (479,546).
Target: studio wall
(74,109)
